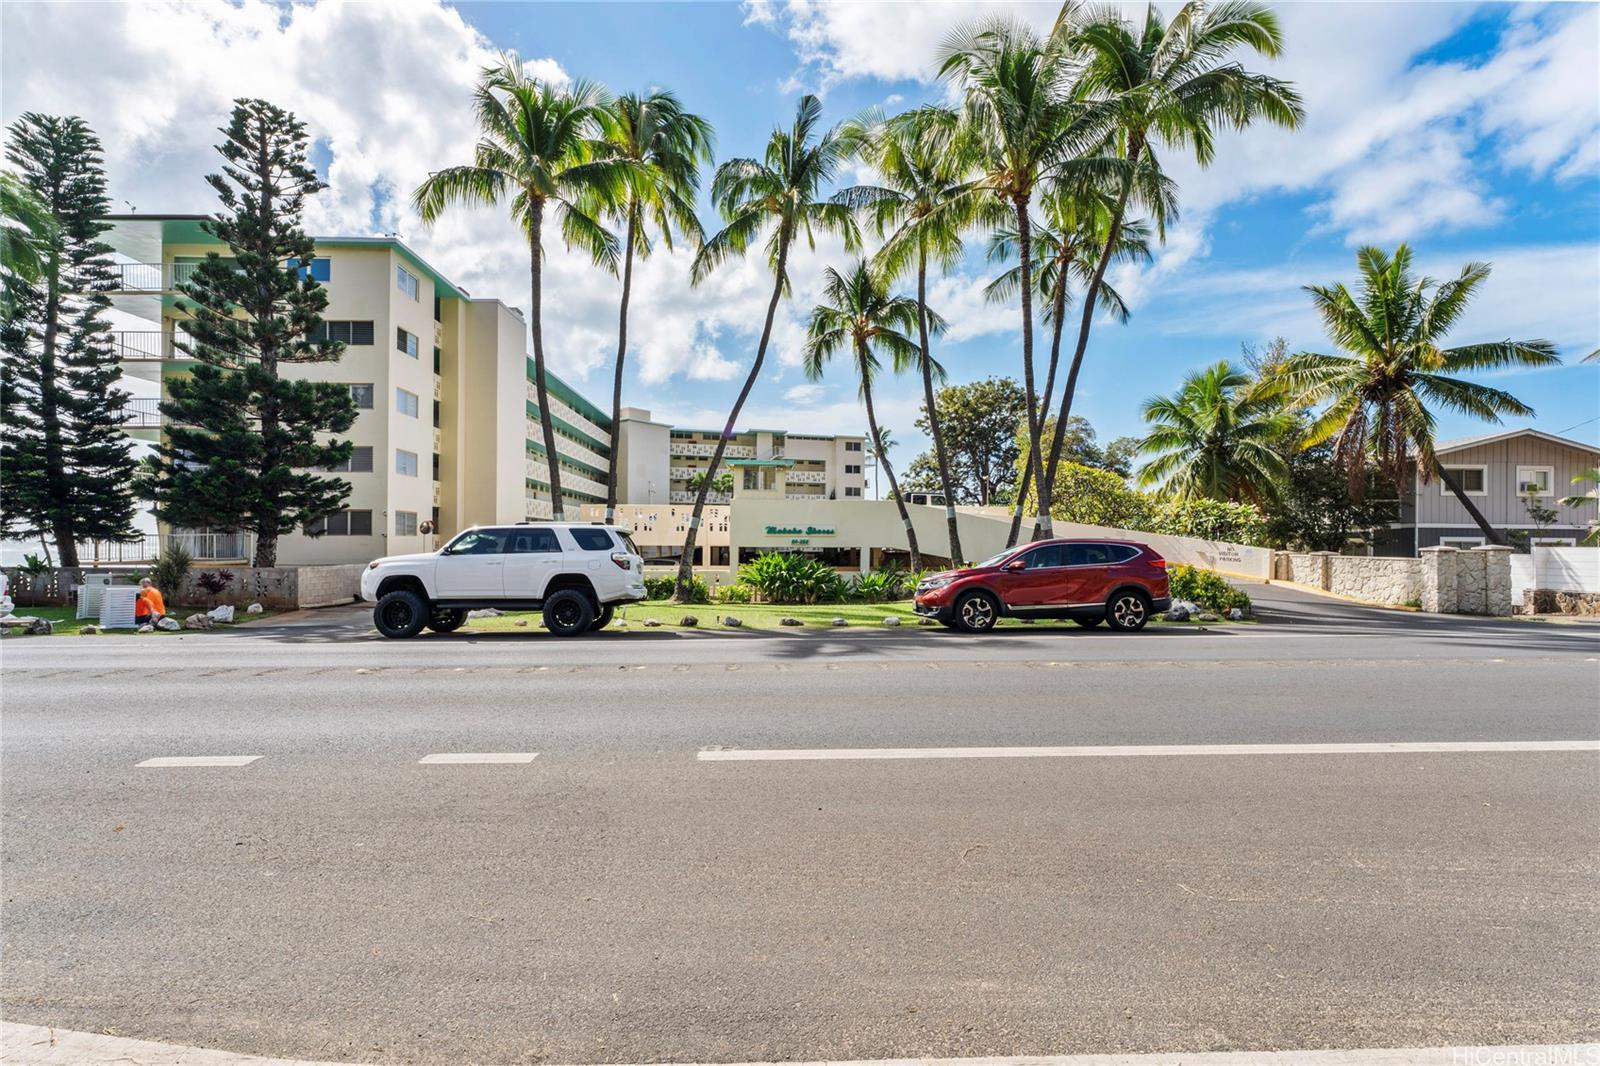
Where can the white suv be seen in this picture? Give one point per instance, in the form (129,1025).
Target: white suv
(575,573)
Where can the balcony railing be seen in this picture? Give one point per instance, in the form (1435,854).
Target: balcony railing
(151,277)
(142,345)
(202,546)
(711,497)
(144,413)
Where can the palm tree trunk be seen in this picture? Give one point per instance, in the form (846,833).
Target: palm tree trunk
(686,564)
(956,558)
(883,458)
(546,423)
(1059,299)
(622,352)
(1091,295)
(1025,251)
(1490,534)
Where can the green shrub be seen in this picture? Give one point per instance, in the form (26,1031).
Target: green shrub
(663,588)
(881,585)
(738,592)
(170,570)
(1207,588)
(1240,523)
(785,578)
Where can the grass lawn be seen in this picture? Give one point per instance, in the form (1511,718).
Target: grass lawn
(66,623)
(753,615)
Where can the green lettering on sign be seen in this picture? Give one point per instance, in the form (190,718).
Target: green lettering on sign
(797,531)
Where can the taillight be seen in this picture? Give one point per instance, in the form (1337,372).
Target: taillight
(1157,562)
(621,559)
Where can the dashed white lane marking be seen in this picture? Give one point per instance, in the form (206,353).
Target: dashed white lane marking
(476,756)
(1099,751)
(36,1045)
(201,760)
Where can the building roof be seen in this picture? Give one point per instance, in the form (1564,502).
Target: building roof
(187,229)
(1444,447)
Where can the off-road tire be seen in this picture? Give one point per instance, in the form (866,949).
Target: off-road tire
(603,619)
(568,613)
(400,614)
(447,619)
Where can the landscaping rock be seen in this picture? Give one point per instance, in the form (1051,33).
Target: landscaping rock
(484,612)
(892,620)
(840,622)
(732,622)
(147,628)
(199,621)
(1188,605)
(926,622)
(521,623)
(651,623)
(223,613)
(1206,616)
(790,622)
(254,608)
(688,621)
(88,631)
(39,627)
(1177,613)
(1236,615)
(169,624)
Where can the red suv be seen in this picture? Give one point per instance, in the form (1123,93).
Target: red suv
(1089,581)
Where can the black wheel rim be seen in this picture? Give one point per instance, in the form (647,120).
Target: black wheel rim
(397,615)
(567,614)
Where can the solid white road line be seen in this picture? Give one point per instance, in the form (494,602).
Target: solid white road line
(476,756)
(1098,751)
(201,760)
(36,1045)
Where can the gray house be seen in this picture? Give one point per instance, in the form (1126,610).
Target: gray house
(1500,472)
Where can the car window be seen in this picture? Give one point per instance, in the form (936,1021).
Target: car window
(1089,554)
(591,540)
(627,542)
(1121,553)
(1047,556)
(537,539)
(478,542)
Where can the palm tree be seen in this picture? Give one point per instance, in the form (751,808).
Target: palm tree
(924,200)
(1378,396)
(1171,83)
(665,146)
(1217,438)
(1022,111)
(1067,246)
(782,189)
(539,146)
(882,445)
(1590,476)
(861,314)
(24,239)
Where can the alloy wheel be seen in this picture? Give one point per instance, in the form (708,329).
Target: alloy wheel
(977,613)
(1128,611)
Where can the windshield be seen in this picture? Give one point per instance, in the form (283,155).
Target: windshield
(995,560)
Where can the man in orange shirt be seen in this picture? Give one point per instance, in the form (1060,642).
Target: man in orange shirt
(149,608)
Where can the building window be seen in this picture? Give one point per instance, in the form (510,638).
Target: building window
(360,461)
(437,308)
(343,524)
(852,468)
(1536,480)
(361,393)
(406,342)
(438,361)
(405,402)
(320,269)
(405,523)
(852,446)
(438,411)
(1474,480)
(852,490)
(1460,542)
(345,331)
(405,463)
(406,282)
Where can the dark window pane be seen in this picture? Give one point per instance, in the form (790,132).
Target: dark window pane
(361,459)
(360,523)
(536,539)
(592,540)
(361,332)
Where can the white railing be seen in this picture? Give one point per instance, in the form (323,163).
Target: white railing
(538,508)
(205,545)
(438,387)
(560,410)
(539,471)
(732,451)
(711,497)
(151,277)
(144,345)
(684,473)
(806,477)
(144,413)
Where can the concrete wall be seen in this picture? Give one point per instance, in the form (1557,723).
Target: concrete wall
(278,587)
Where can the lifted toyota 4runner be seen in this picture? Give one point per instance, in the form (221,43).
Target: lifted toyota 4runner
(575,573)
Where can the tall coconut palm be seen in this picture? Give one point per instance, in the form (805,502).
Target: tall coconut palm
(1168,84)
(861,315)
(1067,246)
(1022,110)
(665,146)
(782,191)
(1378,396)
(1218,437)
(538,146)
(924,199)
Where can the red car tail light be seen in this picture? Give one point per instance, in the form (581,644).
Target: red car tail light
(1156,561)
(621,559)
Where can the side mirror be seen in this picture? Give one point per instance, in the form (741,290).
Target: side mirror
(1016,564)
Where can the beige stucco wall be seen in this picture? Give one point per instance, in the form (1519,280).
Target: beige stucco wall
(643,464)
(494,416)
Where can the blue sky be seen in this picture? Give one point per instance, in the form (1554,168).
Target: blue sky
(1471,131)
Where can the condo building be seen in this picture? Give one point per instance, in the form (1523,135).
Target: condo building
(448,432)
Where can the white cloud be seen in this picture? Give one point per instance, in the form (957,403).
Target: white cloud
(804,395)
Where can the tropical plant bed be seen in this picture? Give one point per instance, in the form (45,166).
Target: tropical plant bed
(751,616)
(64,621)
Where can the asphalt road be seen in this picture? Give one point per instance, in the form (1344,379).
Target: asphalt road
(618,898)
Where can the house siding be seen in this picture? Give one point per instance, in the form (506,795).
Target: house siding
(1439,511)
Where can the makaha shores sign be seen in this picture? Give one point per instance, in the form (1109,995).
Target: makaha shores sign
(800,534)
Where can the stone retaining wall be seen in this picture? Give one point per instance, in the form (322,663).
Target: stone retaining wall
(1558,601)
(1441,580)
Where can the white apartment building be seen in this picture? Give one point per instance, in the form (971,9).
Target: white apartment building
(448,429)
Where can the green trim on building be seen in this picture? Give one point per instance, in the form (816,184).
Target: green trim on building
(534,483)
(759,462)
(604,450)
(572,397)
(536,450)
